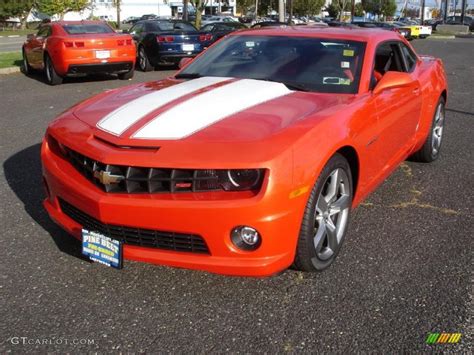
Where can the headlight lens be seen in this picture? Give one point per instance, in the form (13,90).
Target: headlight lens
(229,180)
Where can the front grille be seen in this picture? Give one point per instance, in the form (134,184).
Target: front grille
(136,236)
(129,179)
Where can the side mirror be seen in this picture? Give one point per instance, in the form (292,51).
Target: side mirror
(393,79)
(184,61)
(30,36)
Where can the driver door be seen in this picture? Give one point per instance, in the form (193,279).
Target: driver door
(36,45)
(398,109)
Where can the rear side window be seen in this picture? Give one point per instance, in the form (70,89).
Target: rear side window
(410,57)
(82,29)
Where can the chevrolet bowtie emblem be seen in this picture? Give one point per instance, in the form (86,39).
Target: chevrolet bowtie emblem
(106,178)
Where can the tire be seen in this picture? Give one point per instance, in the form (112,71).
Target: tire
(431,147)
(27,69)
(143,61)
(52,78)
(326,217)
(126,76)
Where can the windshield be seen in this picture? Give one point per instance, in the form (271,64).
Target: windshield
(307,64)
(170,26)
(82,29)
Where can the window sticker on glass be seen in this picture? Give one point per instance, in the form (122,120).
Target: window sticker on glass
(348,53)
(345,65)
(250,44)
(333,80)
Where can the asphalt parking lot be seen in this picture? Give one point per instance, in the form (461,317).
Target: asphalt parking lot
(406,268)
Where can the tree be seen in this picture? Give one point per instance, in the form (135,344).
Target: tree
(358,10)
(244,6)
(388,8)
(341,6)
(372,6)
(307,7)
(16,8)
(199,6)
(332,10)
(117,4)
(61,7)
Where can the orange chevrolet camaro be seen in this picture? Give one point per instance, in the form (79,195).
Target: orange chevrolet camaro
(72,48)
(251,157)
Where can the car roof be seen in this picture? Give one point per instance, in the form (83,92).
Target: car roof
(83,22)
(354,34)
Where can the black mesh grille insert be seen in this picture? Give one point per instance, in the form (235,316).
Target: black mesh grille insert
(129,179)
(136,236)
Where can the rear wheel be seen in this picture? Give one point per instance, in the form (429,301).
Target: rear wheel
(126,76)
(432,145)
(27,69)
(143,61)
(51,76)
(326,217)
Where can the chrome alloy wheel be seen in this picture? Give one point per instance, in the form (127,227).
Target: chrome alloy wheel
(438,126)
(331,214)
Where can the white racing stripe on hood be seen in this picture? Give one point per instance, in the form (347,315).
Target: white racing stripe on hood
(125,116)
(210,107)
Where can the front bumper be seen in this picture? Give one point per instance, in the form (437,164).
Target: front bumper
(277,220)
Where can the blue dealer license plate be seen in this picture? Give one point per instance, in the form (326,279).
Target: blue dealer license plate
(102,249)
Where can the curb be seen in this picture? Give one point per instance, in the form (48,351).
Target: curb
(10,70)
(442,37)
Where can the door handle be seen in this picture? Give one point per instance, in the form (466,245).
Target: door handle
(416,91)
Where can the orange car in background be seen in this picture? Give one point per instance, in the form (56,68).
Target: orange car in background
(71,48)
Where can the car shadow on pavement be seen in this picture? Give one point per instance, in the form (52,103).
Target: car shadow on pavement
(24,176)
(39,76)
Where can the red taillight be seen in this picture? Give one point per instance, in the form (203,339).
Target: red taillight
(68,44)
(165,38)
(204,38)
(124,42)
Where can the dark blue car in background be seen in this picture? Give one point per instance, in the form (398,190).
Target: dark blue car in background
(166,42)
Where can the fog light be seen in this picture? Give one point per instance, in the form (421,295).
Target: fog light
(246,238)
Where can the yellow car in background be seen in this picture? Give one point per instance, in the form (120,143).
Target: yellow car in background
(414,29)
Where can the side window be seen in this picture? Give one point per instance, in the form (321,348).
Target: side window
(136,30)
(409,56)
(387,58)
(44,31)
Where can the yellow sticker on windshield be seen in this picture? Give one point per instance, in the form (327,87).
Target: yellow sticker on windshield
(348,53)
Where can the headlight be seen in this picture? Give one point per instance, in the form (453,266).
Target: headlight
(229,180)
(244,179)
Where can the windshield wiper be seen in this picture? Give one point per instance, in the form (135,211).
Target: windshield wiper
(188,76)
(292,85)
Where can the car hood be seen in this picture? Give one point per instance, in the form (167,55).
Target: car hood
(208,109)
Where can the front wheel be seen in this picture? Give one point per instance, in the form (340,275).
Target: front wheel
(51,76)
(326,217)
(432,145)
